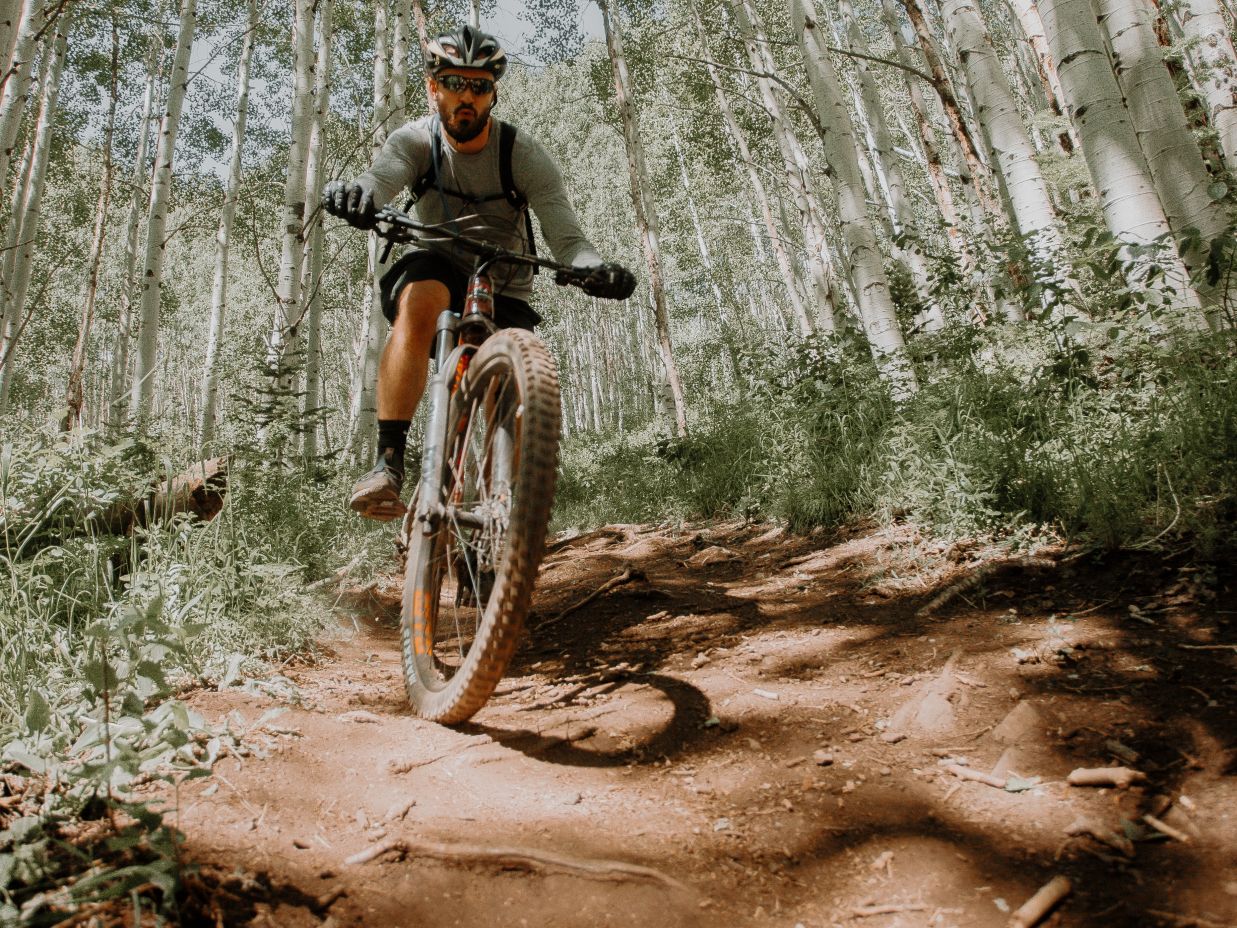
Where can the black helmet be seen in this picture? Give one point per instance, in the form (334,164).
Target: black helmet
(466,47)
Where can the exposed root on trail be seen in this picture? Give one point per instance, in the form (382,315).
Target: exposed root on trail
(627,576)
(514,858)
(978,576)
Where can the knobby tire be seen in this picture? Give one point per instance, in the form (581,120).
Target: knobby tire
(461,622)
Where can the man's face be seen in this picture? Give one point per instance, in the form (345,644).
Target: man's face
(464,112)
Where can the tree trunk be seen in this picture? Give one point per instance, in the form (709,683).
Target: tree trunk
(646,213)
(17,276)
(1132,209)
(315,175)
(118,393)
(142,395)
(73,393)
(1173,155)
(365,394)
(1203,24)
(285,335)
(399,63)
(1029,199)
(18,76)
(735,134)
(801,186)
(871,288)
(223,238)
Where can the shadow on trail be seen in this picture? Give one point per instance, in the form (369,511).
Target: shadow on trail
(679,735)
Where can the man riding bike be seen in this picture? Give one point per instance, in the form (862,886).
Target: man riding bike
(479,176)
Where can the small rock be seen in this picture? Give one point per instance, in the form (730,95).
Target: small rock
(300,844)
(700,660)
(893,737)
(822,758)
(855,736)
(722,824)
(753,744)
(574,799)
(766,694)
(886,771)
(360,716)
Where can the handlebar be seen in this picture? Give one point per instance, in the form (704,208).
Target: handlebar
(400,228)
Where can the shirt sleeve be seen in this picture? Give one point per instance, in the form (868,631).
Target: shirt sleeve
(539,179)
(403,158)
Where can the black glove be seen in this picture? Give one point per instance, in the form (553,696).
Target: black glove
(610,282)
(352,202)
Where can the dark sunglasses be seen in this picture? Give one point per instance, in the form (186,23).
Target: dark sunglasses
(456,84)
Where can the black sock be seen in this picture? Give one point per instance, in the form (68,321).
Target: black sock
(393,438)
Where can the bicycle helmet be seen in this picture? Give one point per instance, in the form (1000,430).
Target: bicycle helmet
(466,47)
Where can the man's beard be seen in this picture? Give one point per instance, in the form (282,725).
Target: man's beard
(466,130)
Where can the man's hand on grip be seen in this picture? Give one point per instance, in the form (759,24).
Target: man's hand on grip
(352,202)
(610,282)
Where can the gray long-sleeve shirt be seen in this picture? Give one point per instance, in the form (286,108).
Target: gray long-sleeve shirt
(405,159)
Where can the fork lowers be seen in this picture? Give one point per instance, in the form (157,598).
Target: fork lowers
(477,320)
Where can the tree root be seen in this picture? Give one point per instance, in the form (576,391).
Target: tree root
(627,576)
(513,858)
(981,573)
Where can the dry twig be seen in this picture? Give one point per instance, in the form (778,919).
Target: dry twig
(1120,777)
(627,576)
(966,773)
(1044,901)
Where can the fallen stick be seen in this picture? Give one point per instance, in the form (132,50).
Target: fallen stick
(1166,829)
(1120,777)
(865,910)
(515,858)
(626,576)
(966,773)
(982,573)
(1044,901)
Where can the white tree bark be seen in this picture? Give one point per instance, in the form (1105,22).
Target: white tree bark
(400,37)
(1024,183)
(10,17)
(315,174)
(1215,68)
(645,209)
(735,134)
(285,335)
(801,185)
(364,415)
(1176,162)
(17,275)
(1132,210)
(871,288)
(74,396)
(223,237)
(142,394)
(17,82)
(118,392)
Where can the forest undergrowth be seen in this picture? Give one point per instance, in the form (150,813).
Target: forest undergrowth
(1130,444)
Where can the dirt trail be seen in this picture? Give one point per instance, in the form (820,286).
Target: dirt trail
(755,729)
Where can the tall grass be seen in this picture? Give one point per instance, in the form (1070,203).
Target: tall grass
(1124,444)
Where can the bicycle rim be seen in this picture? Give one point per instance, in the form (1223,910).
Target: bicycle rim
(469,580)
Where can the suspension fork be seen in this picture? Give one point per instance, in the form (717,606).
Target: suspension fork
(447,361)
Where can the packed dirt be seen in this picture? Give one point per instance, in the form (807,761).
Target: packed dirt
(748,727)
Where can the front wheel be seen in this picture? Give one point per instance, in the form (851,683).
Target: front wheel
(471,567)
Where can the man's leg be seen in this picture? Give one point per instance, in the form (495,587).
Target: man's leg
(402,374)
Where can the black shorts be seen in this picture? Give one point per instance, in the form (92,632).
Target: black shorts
(509,313)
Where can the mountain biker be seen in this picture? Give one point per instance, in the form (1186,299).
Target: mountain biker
(461,183)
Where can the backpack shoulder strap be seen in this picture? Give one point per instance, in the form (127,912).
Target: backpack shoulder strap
(506,145)
(430,177)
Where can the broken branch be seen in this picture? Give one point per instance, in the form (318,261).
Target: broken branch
(626,576)
(1044,901)
(1120,777)
(966,773)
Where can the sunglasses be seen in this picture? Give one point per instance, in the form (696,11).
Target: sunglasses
(456,84)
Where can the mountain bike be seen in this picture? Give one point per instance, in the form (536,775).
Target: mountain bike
(475,531)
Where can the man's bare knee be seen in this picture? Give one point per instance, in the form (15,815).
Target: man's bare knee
(419,304)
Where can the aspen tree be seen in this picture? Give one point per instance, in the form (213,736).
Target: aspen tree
(1173,155)
(285,335)
(73,392)
(223,237)
(1215,70)
(864,258)
(645,209)
(17,78)
(315,177)
(800,183)
(17,271)
(142,394)
(118,392)
(365,403)
(1132,210)
(1024,184)
(736,137)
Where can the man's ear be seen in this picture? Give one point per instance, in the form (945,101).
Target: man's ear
(430,88)
(495,103)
